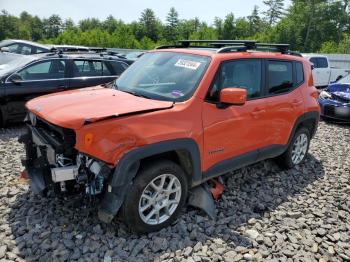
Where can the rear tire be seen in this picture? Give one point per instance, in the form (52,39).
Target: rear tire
(297,149)
(156,197)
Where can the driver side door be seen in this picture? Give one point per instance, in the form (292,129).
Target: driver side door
(34,80)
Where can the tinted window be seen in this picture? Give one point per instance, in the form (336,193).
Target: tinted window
(26,50)
(299,72)
(91,68)
(242,73)
(40,50)
(45,70)
(314,61)
(118,67)
(13,48)
(322,62)
(280,76)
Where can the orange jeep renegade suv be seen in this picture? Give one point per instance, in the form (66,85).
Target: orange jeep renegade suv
(179,116)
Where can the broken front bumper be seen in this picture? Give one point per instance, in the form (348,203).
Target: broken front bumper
(40,163)
(37,165)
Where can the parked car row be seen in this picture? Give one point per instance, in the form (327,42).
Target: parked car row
(27,76)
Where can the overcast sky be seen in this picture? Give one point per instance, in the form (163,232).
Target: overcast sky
(130,10)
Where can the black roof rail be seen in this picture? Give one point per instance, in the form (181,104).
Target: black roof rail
(210,44)
(219,43)
(226,46)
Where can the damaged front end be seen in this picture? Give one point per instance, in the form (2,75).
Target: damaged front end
(52,162)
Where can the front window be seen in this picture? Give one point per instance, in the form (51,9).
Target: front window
(163,76)
(53,69)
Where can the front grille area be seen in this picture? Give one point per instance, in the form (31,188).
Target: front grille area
(329,110)
(61,139)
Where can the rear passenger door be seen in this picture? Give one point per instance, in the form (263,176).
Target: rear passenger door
(234,133)
(284,100)
(89,72)
(37,79)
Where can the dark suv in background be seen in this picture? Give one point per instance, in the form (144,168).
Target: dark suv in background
(30,76)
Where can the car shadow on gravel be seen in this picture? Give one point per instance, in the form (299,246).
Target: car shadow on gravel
(47,229)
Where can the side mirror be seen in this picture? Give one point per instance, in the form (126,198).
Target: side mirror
(233,96)
(312,66)
(16,79)
(5,49)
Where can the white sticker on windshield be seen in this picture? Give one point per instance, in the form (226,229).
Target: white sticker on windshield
(188,64)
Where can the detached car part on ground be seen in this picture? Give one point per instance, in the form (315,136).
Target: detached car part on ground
(174,120)
(335,101)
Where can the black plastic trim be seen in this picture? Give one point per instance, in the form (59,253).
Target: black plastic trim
(126,168)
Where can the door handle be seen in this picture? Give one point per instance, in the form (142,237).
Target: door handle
(296,103)
(62,86)
(257,112)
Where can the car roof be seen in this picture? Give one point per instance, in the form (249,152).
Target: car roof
(78,55)
(212,52)
(313,55)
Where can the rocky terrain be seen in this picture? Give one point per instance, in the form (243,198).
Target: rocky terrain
(265,214)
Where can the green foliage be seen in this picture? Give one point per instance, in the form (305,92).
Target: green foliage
(307,25)
(343,47)
(275,10)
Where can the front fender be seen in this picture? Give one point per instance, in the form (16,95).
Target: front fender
(120,180)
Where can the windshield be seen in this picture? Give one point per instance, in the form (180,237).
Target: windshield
(163,76)
(344,80)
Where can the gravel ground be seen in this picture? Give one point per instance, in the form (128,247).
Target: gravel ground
(264,214)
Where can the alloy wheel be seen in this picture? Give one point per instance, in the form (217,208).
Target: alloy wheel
(159,199)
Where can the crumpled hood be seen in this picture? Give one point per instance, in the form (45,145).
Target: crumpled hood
(340,90)
(73,109)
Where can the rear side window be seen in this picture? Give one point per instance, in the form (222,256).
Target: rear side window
(280,76)
(54,69)
(90,68)
(299,73)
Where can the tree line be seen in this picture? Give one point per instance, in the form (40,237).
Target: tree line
(307,25)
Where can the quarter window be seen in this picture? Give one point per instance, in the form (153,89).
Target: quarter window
(244,74)
(118,67)
(280,76)
(299,72)
(44,70)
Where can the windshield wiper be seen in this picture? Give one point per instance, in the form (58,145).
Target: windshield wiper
(135,94)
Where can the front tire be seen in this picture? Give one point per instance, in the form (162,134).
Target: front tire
(156,197)
(297,149)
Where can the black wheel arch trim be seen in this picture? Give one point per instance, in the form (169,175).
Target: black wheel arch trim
(312,115)
(127,167)
(129,163)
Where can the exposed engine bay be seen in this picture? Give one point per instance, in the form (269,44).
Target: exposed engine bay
(53,163)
